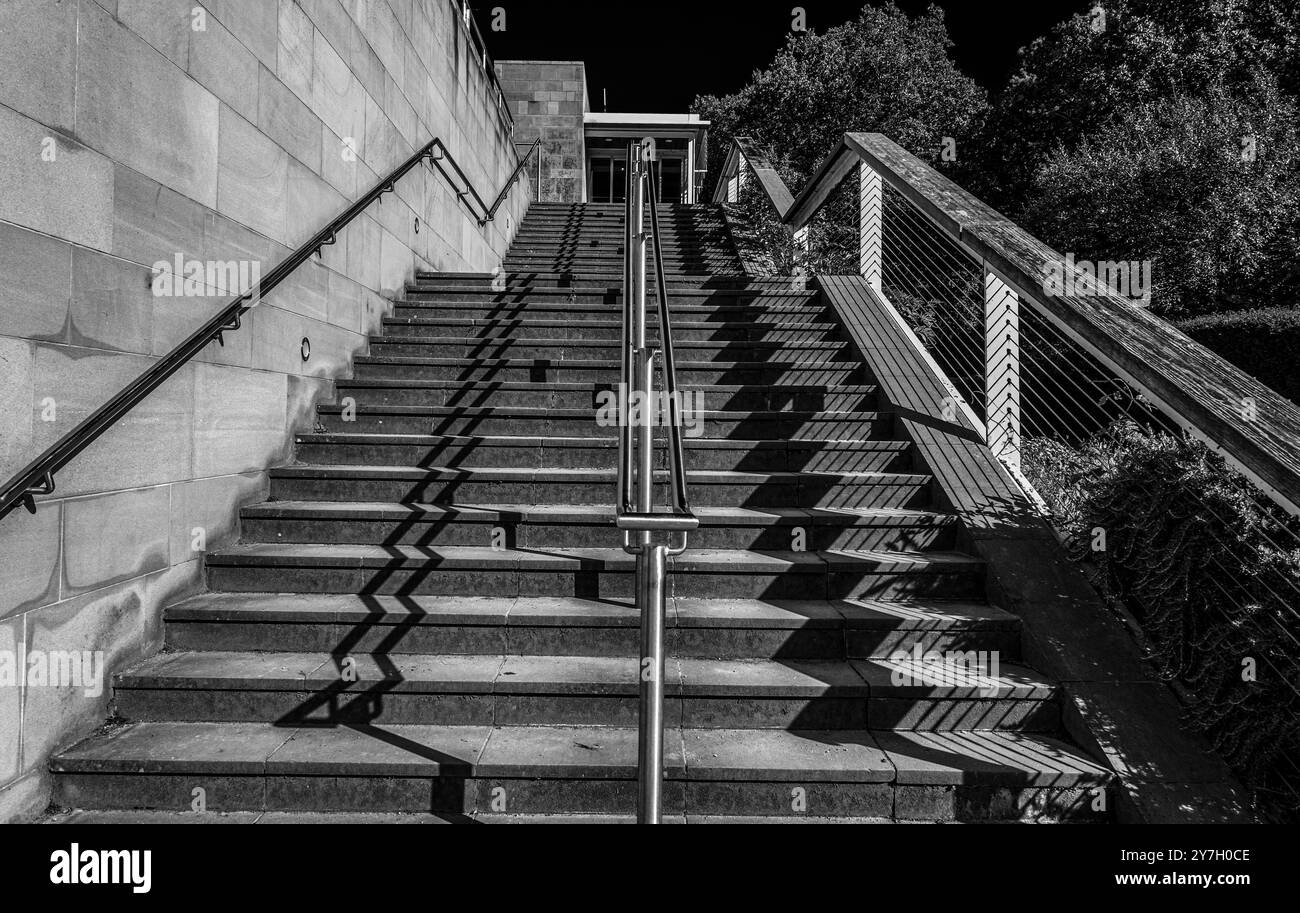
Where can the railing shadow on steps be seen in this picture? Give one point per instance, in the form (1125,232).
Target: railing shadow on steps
(1049,361)
(38,477)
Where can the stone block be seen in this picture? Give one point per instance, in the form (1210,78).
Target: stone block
(17,371)
(150,446)
(285,118)
(34,295)
(225,68)
(165,24)
(29,558)
(124,622)
(69,197)
(254,22)
(239,415)
(336,95)
(206,512)
(11,700)
(138,109)
(38,43)
(151,222)
(293,56)
(112,303)
(254,177)
(139,543)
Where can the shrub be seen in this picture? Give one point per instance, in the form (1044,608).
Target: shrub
(1210,574)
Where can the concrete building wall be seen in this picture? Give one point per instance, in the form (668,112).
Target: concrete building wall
(548,100)
(133,131)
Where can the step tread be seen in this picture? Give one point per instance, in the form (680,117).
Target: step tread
(552,513)
(427,673)
(559,474)
(910,615)
(712,560)
(571,752)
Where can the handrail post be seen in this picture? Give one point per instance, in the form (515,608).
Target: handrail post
(871,211)
(1002,369)
(650,767)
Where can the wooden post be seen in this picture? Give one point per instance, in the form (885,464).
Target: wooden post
(1002,369)
(871,211)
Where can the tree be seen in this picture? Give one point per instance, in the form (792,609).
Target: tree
(884,71)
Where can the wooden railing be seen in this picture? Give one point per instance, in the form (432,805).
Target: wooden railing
(1255,429)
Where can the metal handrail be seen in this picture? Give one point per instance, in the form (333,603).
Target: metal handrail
(37,478)
(514,177)
(634,513)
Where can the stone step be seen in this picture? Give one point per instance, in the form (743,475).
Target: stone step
(607,287)
(544,454)
(523,394)
(584,526)
(535,626)
(525,690)
(520,422)
(530,310)
(534,327)
(541,370)
(526,485)
(590,572)
(517,347)
(579,770)
(567,281)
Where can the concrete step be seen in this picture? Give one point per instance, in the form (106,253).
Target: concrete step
(607,287)
(573,626)
(559,282)
(578,770)
(557,525)
(521,422)
(531,310)
(527,485)
(544,454)
(523,394)
(544,370)
(526,690)
(535,327)
(517,347)
(590,572)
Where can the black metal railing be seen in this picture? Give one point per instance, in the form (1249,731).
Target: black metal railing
(38,477)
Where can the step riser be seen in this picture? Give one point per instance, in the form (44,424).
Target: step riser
(378,704)
(728,335)
(530,426)
(473,456)
(606,350)
(463,491)
(577,372)
(758,399)
(463,794)
(608,309)
(590,584)
(425,637)
(459,532)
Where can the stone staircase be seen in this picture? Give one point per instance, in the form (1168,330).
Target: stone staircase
(432,615)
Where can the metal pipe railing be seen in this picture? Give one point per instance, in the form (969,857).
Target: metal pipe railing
(37,478)
(635,515)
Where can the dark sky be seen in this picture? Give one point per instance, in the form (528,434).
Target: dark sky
(658,55)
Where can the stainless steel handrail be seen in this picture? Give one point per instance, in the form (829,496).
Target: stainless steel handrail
(635,515)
